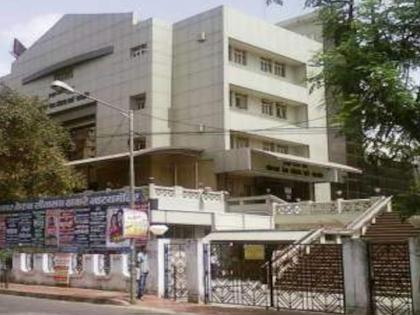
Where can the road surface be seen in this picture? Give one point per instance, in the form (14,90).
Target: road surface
(16,305)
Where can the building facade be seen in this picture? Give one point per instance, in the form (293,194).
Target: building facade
(220,100)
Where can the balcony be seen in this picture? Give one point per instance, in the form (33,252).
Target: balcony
(178,205)
(241,76)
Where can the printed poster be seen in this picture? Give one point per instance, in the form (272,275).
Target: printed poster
(114,231)
(62,268)
(135,224)
(66,228)
(97,227)
(2,231)
(38,218)
(52,225)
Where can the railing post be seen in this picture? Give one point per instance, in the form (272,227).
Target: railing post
(339,205)
(152,191)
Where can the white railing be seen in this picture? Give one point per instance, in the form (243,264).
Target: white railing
(185,199)
(254,205)
(358,226)
(311,207)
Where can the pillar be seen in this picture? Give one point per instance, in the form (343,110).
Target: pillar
(356,277)
(322,192)
(155,258)
(415,273)
(18,261)
(195,272)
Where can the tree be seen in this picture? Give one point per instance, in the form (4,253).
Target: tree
(371,49)
(32,150)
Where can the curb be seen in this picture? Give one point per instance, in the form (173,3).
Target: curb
(110,301)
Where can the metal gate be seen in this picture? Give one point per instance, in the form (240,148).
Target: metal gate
(233,280)
(175,272)
(391,292)
(310,278)
(301,277)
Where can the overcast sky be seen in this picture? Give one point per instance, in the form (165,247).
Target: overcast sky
(27,22)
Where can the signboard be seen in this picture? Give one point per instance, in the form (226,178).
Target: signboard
(254,252)
(135,224)
(62,269)
(87,222)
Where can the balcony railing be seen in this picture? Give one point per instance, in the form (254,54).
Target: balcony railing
(254,205)
(333,207)
(184,199)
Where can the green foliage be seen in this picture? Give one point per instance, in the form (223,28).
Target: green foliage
(5,254)
(366,66)
(32,151)
(408,204)
(371,48)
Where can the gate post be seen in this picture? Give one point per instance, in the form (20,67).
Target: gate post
(356,277)
(195,271)
(414,245)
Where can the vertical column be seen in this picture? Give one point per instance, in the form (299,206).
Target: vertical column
(18,259)
(356,277)
(415,273)
(195,271)
(152,283)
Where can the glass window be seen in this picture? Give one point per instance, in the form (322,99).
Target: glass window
(138,50)
(239,56)
(266,65)
(280,69)
(268,146)
(241,142)
(281,111)
(282,149)
(241,101)
(267,107)
(64,74)
(138,102)
(139,143)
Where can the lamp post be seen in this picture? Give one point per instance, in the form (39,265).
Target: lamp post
(61,86)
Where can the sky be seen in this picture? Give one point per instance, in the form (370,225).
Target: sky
(27,20)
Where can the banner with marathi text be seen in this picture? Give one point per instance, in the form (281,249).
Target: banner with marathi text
(82,222)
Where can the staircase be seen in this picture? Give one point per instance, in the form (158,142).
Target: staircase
(389,227)
(318,268)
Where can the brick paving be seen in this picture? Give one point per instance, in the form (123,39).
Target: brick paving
(121,298)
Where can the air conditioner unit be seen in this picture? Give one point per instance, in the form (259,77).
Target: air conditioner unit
(202,37)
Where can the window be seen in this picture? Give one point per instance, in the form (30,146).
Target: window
(138,102)
(281,110)
(139,143)
(237,55)
(241,142)
(138,50)
(280,69)
(272,147)
(268,146)
(64,74)
(238,100)
(267,107)
(282,149)
(266,65)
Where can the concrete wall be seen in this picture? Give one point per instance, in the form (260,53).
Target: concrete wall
(198,74)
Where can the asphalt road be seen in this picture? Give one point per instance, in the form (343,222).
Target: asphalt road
(16,305)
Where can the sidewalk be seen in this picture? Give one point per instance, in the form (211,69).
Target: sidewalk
(150,303)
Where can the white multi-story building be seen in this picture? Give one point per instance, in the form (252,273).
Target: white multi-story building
(220,100)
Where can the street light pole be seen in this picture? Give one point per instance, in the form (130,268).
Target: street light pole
(132,206)
(62,86)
